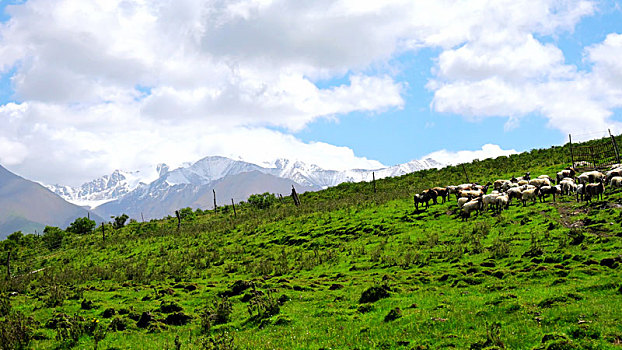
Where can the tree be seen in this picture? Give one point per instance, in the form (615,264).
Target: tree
(119,221)
(16,237)
(82,226)
(262,201)
(53,237)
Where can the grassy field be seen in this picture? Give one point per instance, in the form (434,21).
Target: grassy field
(350,268)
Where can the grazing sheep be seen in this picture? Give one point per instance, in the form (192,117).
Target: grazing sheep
(430,194)
(595,190)
(527,177)
(502,202)
(580,191)
(451,190)
(568,186)
(590,177)
(613,173)
(440,192)
(568,172)
(546,177)
(462,201)
(615,182)
(530,194)
(546,190)
(489,200)
(540,182)
(499,184)
(514,192)
(472,206)
(422,198)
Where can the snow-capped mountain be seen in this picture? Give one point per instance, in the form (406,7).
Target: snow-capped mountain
(101,190)
(136,187)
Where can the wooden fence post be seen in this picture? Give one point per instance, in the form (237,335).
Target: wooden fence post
(214,200)
(571,153)
(233,204)
(373,180)
(103,233)
(295,196)
(142,217)
(178,219)
(615,147)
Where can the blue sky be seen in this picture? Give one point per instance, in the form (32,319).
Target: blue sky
(88,87)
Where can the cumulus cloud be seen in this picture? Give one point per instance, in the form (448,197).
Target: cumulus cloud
(129,83)
(458,157)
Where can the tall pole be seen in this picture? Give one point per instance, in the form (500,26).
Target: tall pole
(103,233)
(615,147)
(571,154)
(465,173)
(233,204)
(373,180)
(214,199)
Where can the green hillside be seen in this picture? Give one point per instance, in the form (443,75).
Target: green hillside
(349,268)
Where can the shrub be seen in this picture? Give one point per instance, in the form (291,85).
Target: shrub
(262,201)
(119,221)
(82,226)
(53,237)
(15,331)
(262,306)
(373,294)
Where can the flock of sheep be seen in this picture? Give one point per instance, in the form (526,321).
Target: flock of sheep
(474,198)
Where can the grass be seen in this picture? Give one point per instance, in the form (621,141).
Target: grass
(539,276)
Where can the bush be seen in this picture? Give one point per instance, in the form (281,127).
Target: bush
(53,237)
(119,221)
(262,201)
(82,226)
(15,331)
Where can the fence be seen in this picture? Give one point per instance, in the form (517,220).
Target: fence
(595,156)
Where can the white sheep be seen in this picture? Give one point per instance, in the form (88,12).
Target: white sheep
(568,172)
(615,182)
(568,186)
(529,194)
(539,182)
(489,199)
(590,177)
(471,206)
(502,202)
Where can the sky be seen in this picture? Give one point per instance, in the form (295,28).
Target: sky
(90,86)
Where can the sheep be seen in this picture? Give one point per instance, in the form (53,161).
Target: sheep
(546,177)
(523,182)
(568,186)
(595,190)
(440,192)
(590,177)
(508,186)
(529,194)
(499,184)
(489,199)
(430,194)
(452,190)
(514,192)
(615,182)
(568,172)
(462,201)
(472,193)
(502,202)
(527,177)
(580,191)
(546,190)
(422,198)
(613,173)
(471,206)
(540,182)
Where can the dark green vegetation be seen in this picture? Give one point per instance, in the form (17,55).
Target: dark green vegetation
(349,268)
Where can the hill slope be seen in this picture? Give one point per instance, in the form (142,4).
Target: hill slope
(349,268)
(28,206)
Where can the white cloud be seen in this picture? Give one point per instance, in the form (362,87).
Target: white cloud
(458,157)
(12,152)
(217,74)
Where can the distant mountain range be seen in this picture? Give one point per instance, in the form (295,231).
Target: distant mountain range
(139,195)
(28,206)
